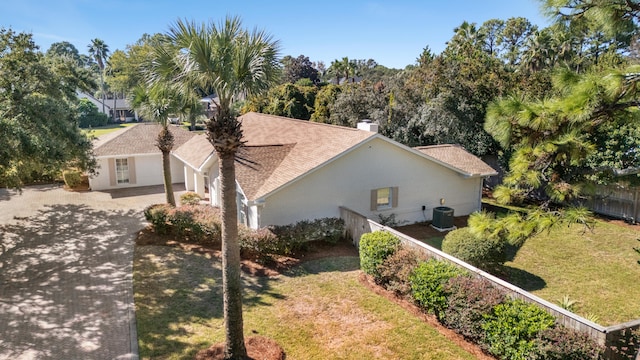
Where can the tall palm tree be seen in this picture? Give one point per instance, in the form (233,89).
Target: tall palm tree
(157,102)
(100,51)
(231,62)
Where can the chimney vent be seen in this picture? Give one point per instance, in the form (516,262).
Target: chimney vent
(368,125)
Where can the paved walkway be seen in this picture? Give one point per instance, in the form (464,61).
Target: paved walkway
(66,272)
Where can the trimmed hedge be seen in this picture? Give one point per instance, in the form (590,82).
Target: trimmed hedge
(469,301)
(482,253)
(375,248)
(330,230)
(560,343)
(427,284)
(512,327)
(202,224)
(397,268)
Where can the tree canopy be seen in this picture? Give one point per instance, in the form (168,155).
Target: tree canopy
(39,134)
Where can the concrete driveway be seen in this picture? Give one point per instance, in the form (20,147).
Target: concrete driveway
(66,272)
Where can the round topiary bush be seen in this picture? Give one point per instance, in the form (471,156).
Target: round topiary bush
(375,248)
(482,253)
(190,198)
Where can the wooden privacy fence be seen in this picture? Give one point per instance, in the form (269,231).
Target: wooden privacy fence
(357,225)
(616,201)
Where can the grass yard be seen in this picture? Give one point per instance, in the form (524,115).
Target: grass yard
(597,269)
(107,129)
(319,310)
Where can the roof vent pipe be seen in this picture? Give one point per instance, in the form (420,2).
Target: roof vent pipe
(368,125)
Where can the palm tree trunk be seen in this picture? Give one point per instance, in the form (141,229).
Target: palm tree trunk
(231,282)
(114,107)
(102,91)
(168,186)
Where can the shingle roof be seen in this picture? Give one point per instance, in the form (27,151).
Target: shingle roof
(256,163)
(298,146)
(195,151)
(140,139)
(457,157)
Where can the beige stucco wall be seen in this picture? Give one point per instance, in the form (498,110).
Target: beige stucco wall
(348,181)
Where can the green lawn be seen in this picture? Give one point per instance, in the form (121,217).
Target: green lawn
(598,269)
(107,129)
(317,311)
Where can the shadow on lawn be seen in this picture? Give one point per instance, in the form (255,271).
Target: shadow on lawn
(65,280)
(178,292)
(522,279)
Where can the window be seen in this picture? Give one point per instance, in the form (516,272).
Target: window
(122,171)
(384,198)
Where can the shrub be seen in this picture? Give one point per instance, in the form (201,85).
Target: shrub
(375,248)
(261,243)
(158,216)
(483,253)
(190,198)
(89,115)
(72,178)
(561,343)
(468,301)
(427,281)
(326,229)
(196,223)
(512,327)
(396,269)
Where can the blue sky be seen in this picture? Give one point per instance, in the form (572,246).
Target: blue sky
(391,32)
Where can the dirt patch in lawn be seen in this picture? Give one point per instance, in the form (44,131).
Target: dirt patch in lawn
(250,264)
(458,339)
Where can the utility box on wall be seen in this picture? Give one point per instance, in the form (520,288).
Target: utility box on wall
(442,217)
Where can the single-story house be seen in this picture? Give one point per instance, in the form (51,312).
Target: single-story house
(291,170)
(130,157)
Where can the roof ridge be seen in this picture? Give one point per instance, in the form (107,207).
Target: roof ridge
(309,122)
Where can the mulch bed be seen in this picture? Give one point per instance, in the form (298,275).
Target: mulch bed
(249,263)
(458,339)
(266,349)
(258,348)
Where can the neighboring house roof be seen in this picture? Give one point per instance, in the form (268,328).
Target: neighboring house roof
(121,104)
(457,157)
(140,139)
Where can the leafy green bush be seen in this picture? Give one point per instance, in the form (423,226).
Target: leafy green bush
(427,284)
(158,215)
(512,327)
(396,269)
(89,115)
(469,299)
(326,229)
(561,343)
(190,198)
(72,178)
(486,254)
(375,248)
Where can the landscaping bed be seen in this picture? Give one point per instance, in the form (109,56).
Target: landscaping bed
(314,304)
